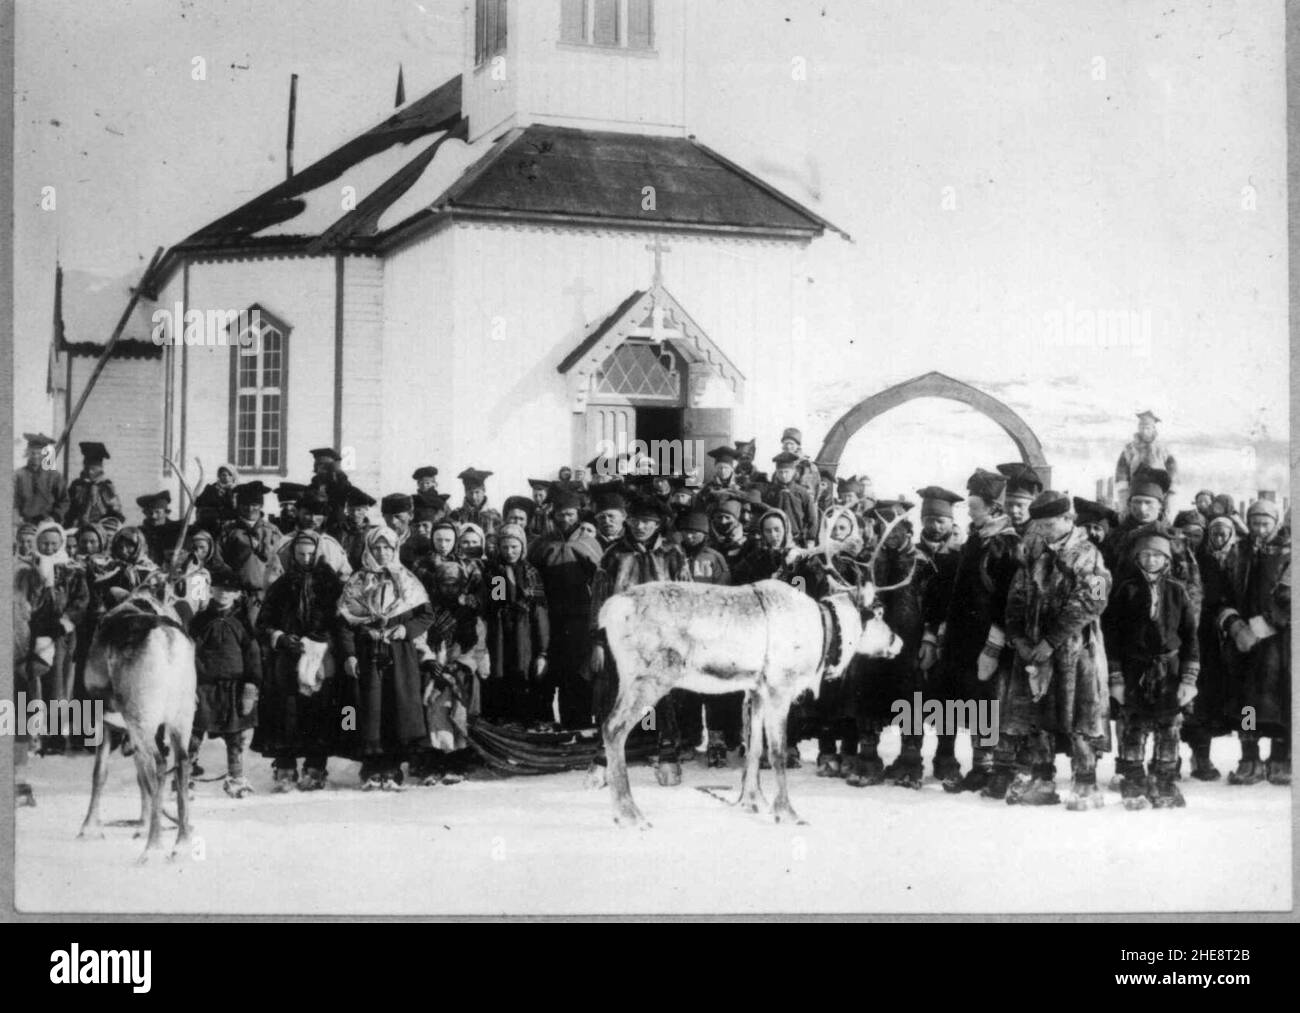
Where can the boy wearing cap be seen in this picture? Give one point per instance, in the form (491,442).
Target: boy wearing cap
(1023,484)
(1146,503)
(723,482)
(940,544)
(793,499)
(356,525)
(1152,647)
(332,482)
(228,662)
(567,561)
(806,473)
(91,497)
(973,642)
(539,519)
(160,533)
(287,495)
(1057,685)
(640,556)
(474,510)
(39,490)
(1256,619)
(722,711)
(426,485)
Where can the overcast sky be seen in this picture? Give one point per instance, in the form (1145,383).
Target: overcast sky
(1012,173)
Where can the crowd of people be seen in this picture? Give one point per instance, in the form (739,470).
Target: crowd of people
(1069,616)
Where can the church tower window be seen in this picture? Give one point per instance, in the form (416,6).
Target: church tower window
(610,24)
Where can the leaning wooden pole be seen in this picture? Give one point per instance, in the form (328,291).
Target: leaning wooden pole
(108,351)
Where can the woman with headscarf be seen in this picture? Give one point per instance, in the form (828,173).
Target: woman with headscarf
(829,715)
(51,628)
(1210,717)
(518,635)
(301,605)
(384,609)
(215,504)
(768,552)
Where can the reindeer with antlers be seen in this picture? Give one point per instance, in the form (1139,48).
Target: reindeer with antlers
(142,660)
(770,639)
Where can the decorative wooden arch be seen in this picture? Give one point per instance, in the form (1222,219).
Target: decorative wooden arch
(935,385)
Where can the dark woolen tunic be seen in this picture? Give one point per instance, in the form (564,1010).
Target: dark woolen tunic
(1259,585)
(303,603)
(226,657)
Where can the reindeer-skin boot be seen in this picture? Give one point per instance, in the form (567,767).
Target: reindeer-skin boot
(1203,769)
(313,779)
(910,769)
(1084,794)
(237,787)
(1279,763)
(1038,788)
(285,779)
(1133,791)
(716,754)
(829,765)
(668,771)
(1164,792)
(1251,768)
(946,767)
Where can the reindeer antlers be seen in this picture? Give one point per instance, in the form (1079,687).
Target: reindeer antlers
(871,564)
(189,492)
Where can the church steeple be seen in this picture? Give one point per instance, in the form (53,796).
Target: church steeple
(596,64)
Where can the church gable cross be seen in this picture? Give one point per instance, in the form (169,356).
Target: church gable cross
(658,248)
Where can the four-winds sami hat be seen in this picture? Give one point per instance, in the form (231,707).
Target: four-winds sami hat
(473,478)
(538,484)
(1152,482)
(153,500)
(356,498)
(987,485)
(93,453)
(250,493)
(427,471)
(38,439)
(724,455)
(1022,480)
(646,507)
(1088,511)
(1049,503)
(289,492)
(326,454)
(785,458)
(937,501)
(518,503)
(610,501)
(565,499)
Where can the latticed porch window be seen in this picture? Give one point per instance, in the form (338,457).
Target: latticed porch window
(260,386)
(640,370)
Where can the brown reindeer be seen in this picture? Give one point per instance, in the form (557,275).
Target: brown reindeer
(769,639)
(142,660)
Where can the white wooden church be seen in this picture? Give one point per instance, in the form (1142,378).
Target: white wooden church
(534,257)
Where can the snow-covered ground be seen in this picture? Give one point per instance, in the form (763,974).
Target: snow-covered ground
(548,845)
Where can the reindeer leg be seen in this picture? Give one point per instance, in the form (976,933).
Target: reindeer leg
(149,765)
(774,715)
(751,793)
(632,702)
(92,827)
(181,746)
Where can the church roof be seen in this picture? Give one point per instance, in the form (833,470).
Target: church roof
(601,176)
(536,172)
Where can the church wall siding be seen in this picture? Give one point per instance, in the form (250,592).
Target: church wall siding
(300,291)
(418,371)
(124,412)
(363,374)
(515,322)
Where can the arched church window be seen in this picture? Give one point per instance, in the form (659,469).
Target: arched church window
(259,420)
